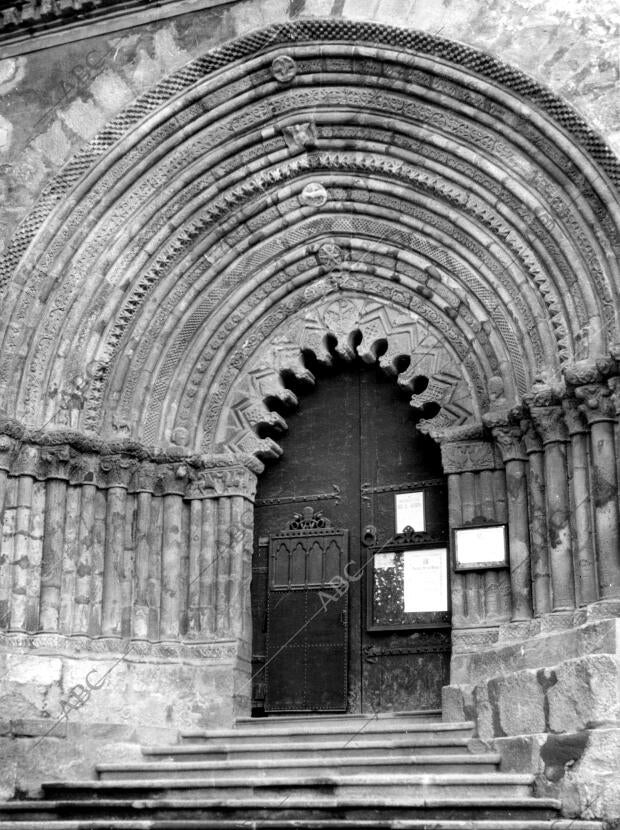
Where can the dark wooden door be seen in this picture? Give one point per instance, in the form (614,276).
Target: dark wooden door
(307,617)
(351,446)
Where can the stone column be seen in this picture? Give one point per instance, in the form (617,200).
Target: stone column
(219,592)
(95,619)
(508,437)
(54,459)
(466,460)
(598,407)
(195,564)
(21,562)
(174,544)
(117,570)
(541,577)
(86,545)
(207,566)
(585,568)
(7,453)
(70,555)
(143,486)
(549,422)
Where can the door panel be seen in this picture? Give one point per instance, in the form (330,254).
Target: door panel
(307,631)
(350,448)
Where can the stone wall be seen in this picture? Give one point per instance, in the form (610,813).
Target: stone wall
(124,601)
(124,593)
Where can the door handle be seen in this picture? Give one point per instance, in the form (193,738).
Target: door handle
(343,618)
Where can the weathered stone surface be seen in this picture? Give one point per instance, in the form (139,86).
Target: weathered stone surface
(517,703)
(26,762)
(576,694)
(546,648)
(591,785)
(586,691)
(457,703)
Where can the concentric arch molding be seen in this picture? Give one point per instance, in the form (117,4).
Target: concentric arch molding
(197,219)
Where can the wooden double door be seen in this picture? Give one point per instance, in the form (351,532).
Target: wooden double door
(321,511)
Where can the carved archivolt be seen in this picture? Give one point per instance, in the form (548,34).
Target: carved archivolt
(343,317)
(261,178)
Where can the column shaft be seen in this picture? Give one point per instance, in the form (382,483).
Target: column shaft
(21,554)
(541,576)
(208,566)
(605,497)
(518,536)
(140,617)
(195,547)
(171,566)
(53,543)
(558,527)
(84,576)
(114,560)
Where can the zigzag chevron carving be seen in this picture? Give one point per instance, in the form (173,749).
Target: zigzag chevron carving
(343,318)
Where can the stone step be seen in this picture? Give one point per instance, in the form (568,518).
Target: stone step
(464,786)
(310,824)
(307,730)
(251,812)
(357,746)
(344,765)
(433,716)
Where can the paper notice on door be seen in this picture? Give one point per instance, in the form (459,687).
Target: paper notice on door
(383,561)
(410,511)
(425,580)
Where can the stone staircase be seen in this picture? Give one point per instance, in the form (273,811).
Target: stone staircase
(386,771)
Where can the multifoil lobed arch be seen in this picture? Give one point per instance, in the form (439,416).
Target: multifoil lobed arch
(402,344)
(308,161)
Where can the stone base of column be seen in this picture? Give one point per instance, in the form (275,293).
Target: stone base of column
(81,680)
(482,653)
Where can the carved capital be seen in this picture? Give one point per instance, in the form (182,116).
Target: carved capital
(147,478)
(449,435)
(531,439)
(508,438)
(549,423)
(597,403)
(9,447)
(116,470)
(222,481)
(468,456)
(27,461)
(544,395)
(174,479)
(573,416)
(61,461)
(614,387)
(588,371)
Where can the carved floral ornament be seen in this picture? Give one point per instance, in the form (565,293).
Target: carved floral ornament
(512,292)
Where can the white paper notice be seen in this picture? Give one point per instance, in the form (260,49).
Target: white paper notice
(480,545)
(410,511)
(425,578)
(384,561)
